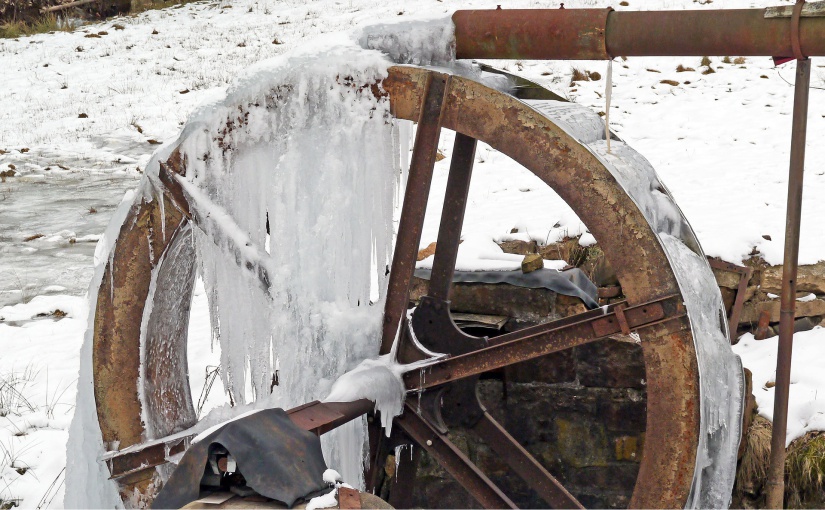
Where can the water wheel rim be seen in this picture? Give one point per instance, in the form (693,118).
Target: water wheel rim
(504,123)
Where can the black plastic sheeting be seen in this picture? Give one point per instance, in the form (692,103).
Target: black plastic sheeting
(571,282)
(277,458)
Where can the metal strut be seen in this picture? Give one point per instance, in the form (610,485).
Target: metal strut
(776,472)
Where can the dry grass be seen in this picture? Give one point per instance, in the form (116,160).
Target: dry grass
(145,5)
(805,472)
(48,23)
(583,75)
(682,69)
(804,469)
(753,468)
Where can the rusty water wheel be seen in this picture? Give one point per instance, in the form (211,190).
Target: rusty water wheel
(156,250)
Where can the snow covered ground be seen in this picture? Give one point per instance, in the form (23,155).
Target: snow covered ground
(80,114)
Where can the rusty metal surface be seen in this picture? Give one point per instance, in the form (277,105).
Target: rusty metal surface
(523,134)
(582,34)
(452,216)
(776,472)
(521,34)
(121,465)
(453,460)
(510,126)
(316,417)
(527,467)
(533,342)
(349,498)
(415,204)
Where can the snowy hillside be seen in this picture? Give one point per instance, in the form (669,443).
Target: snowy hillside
(81,113)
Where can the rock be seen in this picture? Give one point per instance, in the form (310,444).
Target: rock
(559,367)
(610,364)
(726,279)
(528,305)
(751,310)
(517,247)
(531,262)
(803,324)
(629,448)
(389,466)
(574,450)
(809,278)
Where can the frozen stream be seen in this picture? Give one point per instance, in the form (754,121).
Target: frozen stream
(69,212)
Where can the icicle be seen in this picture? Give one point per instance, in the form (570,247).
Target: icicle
(607,94)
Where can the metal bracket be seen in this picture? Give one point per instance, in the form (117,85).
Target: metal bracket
(622,318)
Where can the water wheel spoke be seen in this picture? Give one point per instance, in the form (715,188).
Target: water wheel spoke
(221,228)
(524,464)
(414,207)
(452,216)
(533,342)
(467,474)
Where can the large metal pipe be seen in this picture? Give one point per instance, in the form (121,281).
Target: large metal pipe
(776,471)
(599,34)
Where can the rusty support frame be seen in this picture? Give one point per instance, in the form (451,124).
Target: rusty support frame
(745,274)
(452,216)
(453,460)
(599,34)
(776,471)
(524,464)
(534,141)
(537,341)
(415,205)
(317,417)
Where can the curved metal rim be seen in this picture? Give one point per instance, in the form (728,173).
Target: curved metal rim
(513,128)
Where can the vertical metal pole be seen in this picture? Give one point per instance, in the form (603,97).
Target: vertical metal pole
(776,472)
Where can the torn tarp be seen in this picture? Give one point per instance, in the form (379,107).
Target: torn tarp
(571,282)
(277,458)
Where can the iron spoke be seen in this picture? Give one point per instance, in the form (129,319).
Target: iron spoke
(415,206)
(452,216)
(531,343)
(524,464)
(453,460)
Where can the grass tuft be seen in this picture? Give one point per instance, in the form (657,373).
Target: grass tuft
(48,23)
(805,472)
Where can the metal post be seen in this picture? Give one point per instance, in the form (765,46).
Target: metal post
(776,472)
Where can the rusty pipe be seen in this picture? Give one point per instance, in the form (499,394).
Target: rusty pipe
(599,34)
(776,472)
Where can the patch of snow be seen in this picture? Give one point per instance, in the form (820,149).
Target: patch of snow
(806,411)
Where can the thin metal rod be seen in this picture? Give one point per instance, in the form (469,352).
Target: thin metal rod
(452,216)
(415,206)
(524,464)
(776,472)
(453,460)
